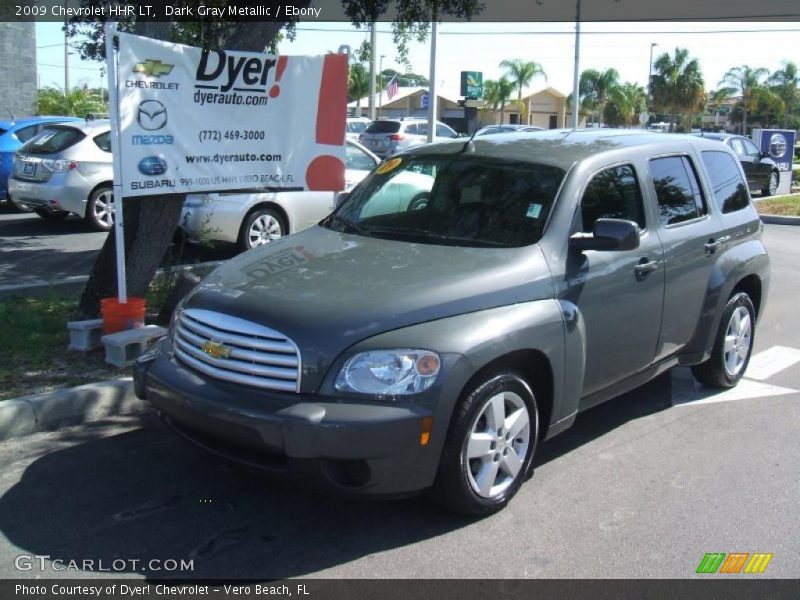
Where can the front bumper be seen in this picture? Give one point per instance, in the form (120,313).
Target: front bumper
(345,445)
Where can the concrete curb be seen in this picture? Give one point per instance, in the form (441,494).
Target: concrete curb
(72,406)
(779,220)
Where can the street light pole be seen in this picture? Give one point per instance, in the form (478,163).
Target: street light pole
(575,74)
(373,42)
(650,76)
(380,76)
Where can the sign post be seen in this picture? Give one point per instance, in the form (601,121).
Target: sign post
(472,85)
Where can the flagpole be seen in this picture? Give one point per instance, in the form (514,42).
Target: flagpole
(113,113)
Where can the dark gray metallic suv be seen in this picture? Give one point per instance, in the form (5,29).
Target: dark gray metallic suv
(430,339)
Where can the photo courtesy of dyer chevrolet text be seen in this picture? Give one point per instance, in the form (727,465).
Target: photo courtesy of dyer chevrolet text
(191,591)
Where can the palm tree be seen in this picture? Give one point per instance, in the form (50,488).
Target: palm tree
(357,84)
(624,104)
(785,83)
(677,86)
(747,82)
(497,93)
(521,73)
(78,102)
(594,89)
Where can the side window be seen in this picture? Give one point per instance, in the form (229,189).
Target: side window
(103,141)
(737,146)
(730,190)
(612,194)
(411,129)
(26,133)
(422,129)
(356,159)
(444,131)
(750,148)
(677,190)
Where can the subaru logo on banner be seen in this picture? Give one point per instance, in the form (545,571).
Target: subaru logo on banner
(152,165)
(778,144)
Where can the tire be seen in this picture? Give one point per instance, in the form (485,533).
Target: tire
(100,209)
(772,185)
(261,226)
(418,202)
(477,475)
(732,346)
(51,215)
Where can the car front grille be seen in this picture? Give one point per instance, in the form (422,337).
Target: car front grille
(232,349)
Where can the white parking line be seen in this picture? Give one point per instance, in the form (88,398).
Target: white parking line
(769,362)
(687,392)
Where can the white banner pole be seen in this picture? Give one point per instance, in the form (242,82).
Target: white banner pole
(116,148)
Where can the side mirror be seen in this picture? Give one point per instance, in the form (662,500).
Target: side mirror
(340,198)
(608,234)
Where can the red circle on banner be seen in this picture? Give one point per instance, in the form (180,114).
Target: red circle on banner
(325,173)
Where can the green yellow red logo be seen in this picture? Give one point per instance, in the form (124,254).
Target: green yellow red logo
(734,562)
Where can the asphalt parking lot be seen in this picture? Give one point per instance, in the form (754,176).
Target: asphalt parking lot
(642,486)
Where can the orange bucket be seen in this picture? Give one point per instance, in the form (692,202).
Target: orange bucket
(119,317)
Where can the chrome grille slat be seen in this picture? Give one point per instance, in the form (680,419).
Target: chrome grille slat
(258,356)
(264,358)
(230,364)
(235,339)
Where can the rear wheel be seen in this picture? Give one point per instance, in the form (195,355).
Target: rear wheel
(772,185)
(100,209)
(489,447)
(51,215)
(261,226)
(732,346)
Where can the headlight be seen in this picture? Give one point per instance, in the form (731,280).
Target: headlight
(389,372)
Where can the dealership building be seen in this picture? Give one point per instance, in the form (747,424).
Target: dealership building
(17,69)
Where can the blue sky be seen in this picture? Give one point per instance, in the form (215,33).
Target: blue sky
(481,47)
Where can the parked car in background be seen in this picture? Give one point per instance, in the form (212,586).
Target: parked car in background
(254,219)
(14,133)
(508,128)
(386,137)
(355,127)
(67,169)
(761,171)
(388,352)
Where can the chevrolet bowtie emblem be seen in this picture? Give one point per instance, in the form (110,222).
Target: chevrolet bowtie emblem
(216,349)
(152,68)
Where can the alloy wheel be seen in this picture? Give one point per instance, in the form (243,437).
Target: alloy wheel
(104,208)
(738,338)
(263,229)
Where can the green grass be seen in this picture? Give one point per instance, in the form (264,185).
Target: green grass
(33,348)
(780,205)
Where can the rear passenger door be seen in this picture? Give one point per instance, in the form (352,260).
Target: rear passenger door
(619,293)
(691,238)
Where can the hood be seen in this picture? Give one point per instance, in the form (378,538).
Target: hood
(328,290)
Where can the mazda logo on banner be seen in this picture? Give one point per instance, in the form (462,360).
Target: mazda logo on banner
(152,115)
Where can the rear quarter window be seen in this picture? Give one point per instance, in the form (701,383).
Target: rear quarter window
(730,190)
(677,190)
(103,141)
(383,127)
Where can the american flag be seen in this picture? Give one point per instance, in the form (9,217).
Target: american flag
(391,88)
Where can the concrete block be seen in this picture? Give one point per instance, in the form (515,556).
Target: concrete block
(85,335)
(17,417)
(124,347)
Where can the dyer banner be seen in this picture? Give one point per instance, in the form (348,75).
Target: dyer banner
(194,120)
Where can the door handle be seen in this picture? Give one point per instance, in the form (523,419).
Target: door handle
(645,267)
(713,245)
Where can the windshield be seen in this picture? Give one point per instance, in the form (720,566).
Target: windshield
(456,200)
(52,140)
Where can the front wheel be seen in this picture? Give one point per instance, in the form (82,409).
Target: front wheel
(489,447)
(261,226)
(732,346)
(772,185)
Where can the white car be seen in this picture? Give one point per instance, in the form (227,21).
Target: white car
(253,219)
(355,127)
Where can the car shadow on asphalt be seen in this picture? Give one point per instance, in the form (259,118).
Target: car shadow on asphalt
(145,494)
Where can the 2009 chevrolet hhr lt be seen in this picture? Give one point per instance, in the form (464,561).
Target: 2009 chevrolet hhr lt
(463,304)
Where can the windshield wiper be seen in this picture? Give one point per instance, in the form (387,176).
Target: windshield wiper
(406,232)
(348,225)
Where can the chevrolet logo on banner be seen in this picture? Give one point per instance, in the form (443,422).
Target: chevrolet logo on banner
(152,68)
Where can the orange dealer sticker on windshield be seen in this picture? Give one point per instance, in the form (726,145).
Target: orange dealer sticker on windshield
(389,165)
